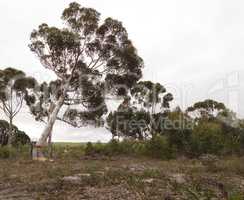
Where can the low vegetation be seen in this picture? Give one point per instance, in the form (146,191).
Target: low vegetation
(74,174)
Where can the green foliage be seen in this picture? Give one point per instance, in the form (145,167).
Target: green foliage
(207,138)
(129,123)
(178,130)
(110,149)
(14,85)
(67,150)
(135,116)
(19,137)
(4,127)
(207,109)
(158,147)
(216,130)
(236,196)
(15,152)
(7,152)
(242,141)
(91,149)
(148,95)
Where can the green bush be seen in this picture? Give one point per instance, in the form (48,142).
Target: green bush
(68,150)
(236,196)
(20,137)
(242,141)
(7,152)
(158,147)
(113,148)
(90,149)
(207,138)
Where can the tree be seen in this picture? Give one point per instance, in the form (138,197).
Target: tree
(14,85)
(178,129)
(88,56)
(212,117)
(232,130)
(207,109)
(136,117)
(20,138)
(128,122)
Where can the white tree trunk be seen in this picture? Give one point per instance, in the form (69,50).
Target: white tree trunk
(10,131)
(52,118)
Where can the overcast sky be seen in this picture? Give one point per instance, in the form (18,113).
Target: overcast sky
(193,47)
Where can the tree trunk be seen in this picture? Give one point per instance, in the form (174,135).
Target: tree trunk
(42,142)
(49,127)
(10,131)
(50,152)
(51,120)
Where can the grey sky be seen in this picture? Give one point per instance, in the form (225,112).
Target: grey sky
(193,47)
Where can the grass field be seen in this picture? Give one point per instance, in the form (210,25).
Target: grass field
(69,144)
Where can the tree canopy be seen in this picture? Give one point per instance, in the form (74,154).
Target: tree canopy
(91,58)
(206,109)
(138,115)
(14,87)
(20,137)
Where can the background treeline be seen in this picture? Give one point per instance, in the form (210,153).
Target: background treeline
(143,124)
(207,127)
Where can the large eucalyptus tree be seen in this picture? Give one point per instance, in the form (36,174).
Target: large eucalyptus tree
(88,56)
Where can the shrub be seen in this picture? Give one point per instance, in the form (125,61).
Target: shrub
(158,147)
(207,138)
(125,147)
(242,141)
(113,148)
(7,152)
(94,149)
(89,150)
(236,196)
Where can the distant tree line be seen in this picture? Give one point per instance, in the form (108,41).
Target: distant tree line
(207,127)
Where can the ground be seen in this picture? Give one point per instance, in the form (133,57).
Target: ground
(109,178)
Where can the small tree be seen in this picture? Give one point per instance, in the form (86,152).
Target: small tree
(87,55)
(14,85)
(20,138)
(178,129)
(136,117)
(129,123)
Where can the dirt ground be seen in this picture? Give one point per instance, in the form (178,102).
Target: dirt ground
(122,178)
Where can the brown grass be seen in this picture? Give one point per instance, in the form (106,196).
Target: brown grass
(121,178)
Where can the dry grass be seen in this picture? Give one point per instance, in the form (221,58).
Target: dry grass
(121,178)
